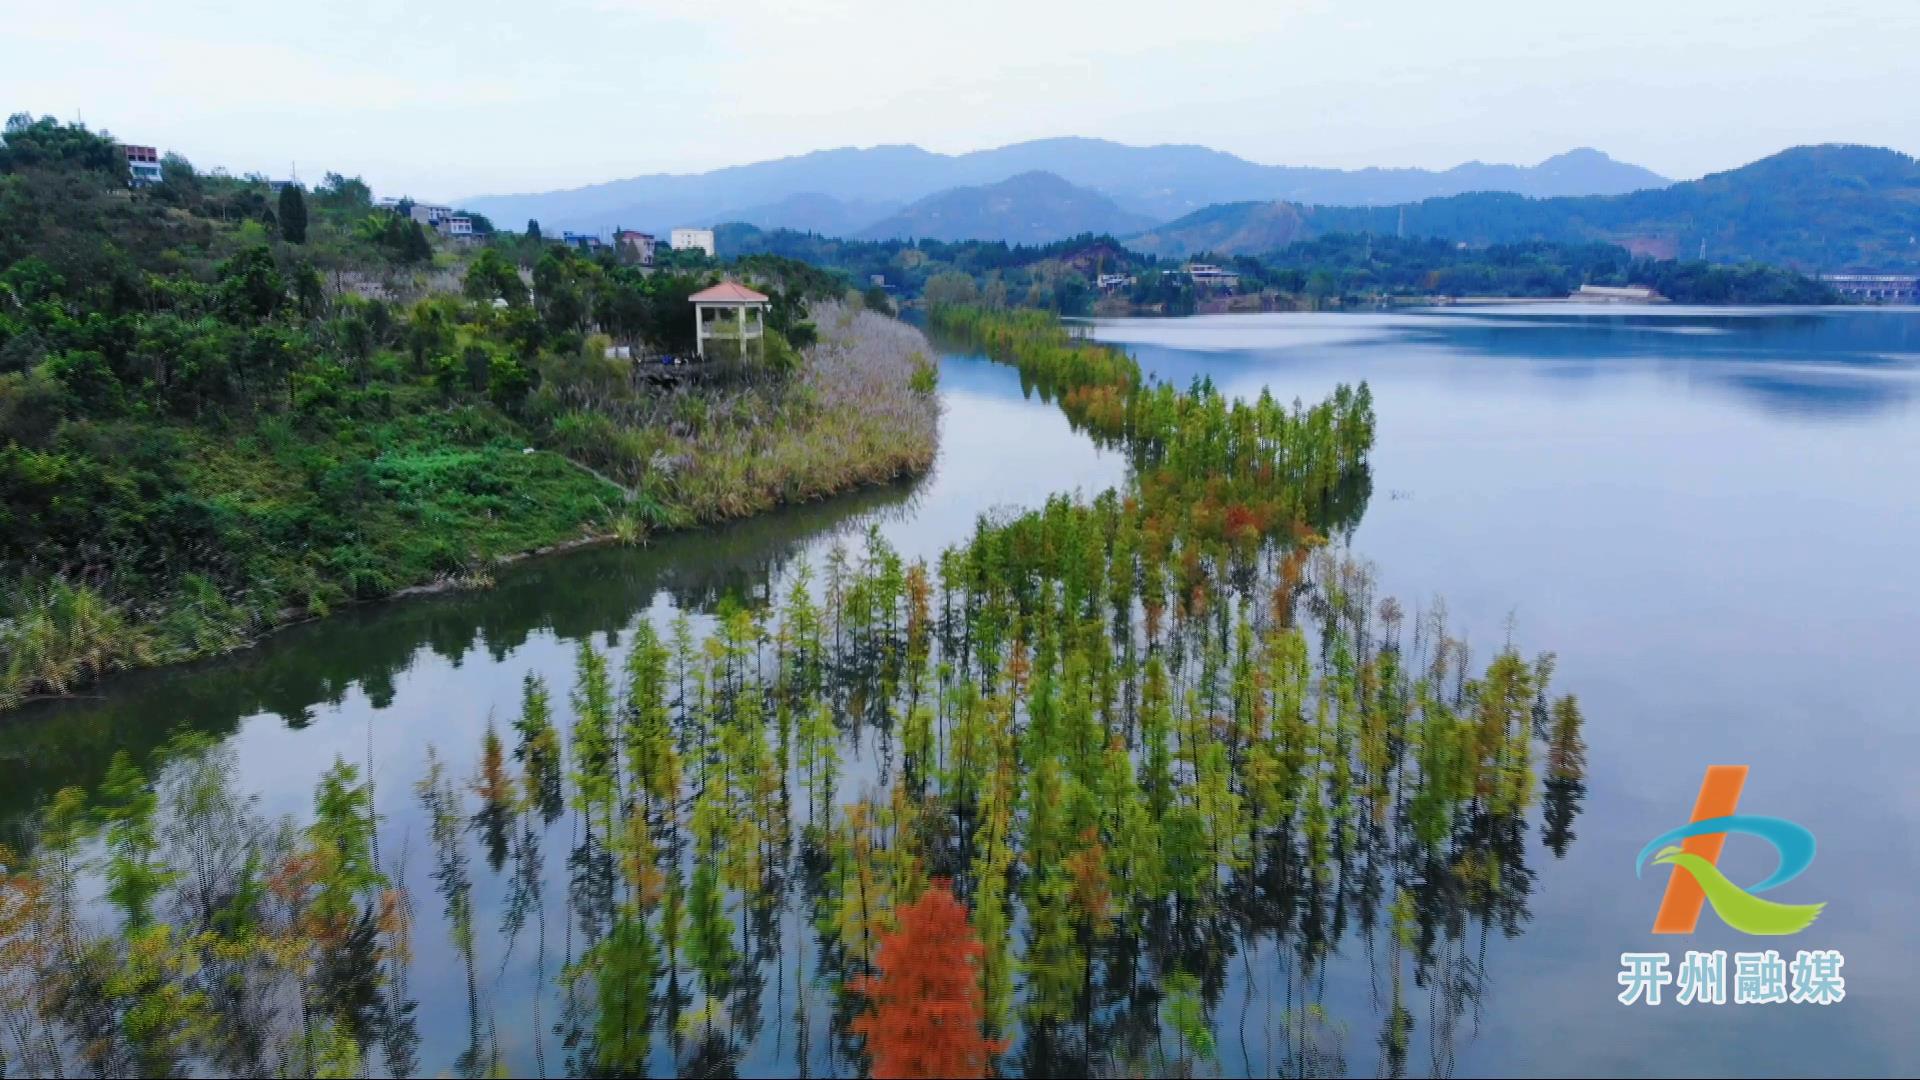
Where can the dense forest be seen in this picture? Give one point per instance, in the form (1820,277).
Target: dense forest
(1018,809)
(1358,265)
(222,408)
(1348,267)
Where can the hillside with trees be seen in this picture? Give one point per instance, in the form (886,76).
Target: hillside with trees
(1057,276)
(1813,208)
(222,409)
(1350,265)
(1062,276)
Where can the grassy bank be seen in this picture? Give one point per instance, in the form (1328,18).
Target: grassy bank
(861,410)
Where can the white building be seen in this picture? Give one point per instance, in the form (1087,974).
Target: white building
(456,225)
(1207,274)
(688,239)
(1615,294)
(429,214)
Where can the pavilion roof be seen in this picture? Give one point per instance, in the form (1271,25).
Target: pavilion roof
(728,292)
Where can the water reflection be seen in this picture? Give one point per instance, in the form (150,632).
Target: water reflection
(298,673)
(1809,363)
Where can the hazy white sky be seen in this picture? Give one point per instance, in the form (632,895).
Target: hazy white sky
(444,99)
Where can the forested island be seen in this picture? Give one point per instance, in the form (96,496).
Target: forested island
(223,407)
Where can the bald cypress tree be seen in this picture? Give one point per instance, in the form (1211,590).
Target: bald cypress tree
(928,1001)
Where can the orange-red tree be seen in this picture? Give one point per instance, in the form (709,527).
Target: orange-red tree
(928,1004)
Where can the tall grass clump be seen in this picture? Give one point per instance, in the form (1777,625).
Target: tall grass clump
(56,635)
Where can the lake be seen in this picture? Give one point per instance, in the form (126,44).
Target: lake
(1708,515)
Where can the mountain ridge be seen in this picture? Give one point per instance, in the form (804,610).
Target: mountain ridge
(1818,207)
(1030,208)
(1160,182)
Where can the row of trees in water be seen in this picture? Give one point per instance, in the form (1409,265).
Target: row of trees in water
(1028,799)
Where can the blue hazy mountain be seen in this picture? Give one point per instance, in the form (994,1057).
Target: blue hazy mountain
(1031,208)
(1157,182)
(814,212)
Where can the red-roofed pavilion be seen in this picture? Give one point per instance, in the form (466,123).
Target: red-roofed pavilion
(720,313)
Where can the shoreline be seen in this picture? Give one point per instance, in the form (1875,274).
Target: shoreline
(444,586)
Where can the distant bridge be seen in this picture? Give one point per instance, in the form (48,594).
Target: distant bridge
(1876,288)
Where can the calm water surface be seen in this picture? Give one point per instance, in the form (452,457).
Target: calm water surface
(1711,516)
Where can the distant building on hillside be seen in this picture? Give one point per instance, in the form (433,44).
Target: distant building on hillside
(583,241)
(1876,288)
(1616,294)
(143,165)
(638,245)
(688,239)
(1207,275)
(456,225)
(430,214)
(1110,282)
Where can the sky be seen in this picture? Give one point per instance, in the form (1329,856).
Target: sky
(441,100)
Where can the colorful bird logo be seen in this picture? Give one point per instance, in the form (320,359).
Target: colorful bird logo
(1697,877)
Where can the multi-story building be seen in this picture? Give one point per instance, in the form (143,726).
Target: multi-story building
(430,214)
(1211,276)
(583,241)
(143,165)
(638,245)
(688,239)
(456,225)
